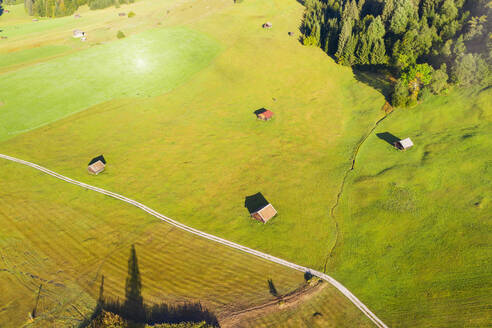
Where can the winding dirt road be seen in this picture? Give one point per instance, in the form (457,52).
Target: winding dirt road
(205,235)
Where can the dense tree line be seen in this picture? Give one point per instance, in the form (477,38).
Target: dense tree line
(425,43)
(52,8)
(110,320)
(57,8)
(100,4)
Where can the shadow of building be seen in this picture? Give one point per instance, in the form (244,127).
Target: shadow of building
(388,137)
(255,202)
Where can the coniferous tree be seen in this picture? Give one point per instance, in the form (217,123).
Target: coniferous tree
(28,5)
(407,36)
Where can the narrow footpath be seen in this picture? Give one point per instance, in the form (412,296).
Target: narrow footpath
(342,186)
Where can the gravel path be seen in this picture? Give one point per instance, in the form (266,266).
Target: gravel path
(219,240)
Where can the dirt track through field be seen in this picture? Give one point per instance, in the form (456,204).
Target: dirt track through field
(205,235)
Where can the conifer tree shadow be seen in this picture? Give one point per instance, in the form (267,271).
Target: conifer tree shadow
(133,306)
(272,288)
(374,76)
(134,309)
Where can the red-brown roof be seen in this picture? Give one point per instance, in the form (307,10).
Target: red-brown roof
(267,114)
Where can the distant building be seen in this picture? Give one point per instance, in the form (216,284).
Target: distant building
(404,144)
(78,33)
(267,25)
(97,165)
(264,214)
(265,115)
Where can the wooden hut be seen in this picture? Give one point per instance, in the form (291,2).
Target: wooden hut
(97,165)
(264,214)
(404,144)
(267,25)
(265,115)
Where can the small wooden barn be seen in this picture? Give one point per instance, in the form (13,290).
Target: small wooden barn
(265,115)
(264,214)
(78,34)
(404,144)
(97,165)
(267,25)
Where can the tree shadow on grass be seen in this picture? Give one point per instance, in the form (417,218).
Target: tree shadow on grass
(134,309)
(375,77)
(272,288)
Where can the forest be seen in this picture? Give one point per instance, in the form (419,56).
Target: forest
(58,8)
(426,45)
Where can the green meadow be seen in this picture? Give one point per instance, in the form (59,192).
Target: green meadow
(141,65)
(415,225)
(57,239)
(7,59)
(171,108)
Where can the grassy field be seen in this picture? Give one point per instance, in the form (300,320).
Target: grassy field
(187,121)
(67,240)
(318,311)
(416,224)
(186,142)
(143,65)
(195,153)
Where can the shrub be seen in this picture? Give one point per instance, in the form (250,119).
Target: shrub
(424,94)
(120,35)
(439,81)
(400,96)
(131,14)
